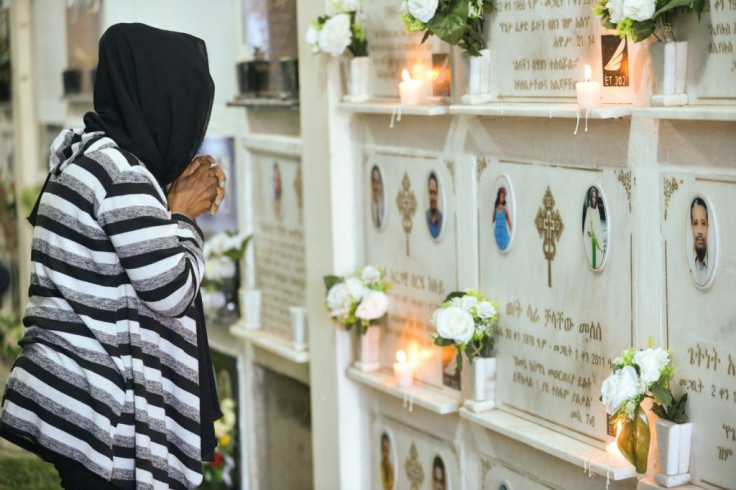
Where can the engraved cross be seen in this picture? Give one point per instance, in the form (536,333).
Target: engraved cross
(549,225)
(406,201)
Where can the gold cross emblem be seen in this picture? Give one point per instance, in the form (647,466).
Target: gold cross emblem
(406,201)
(413,467)
(549,225)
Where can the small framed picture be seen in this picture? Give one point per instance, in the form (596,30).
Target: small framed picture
(435,205)
(387,462)
(701,239)
(503,218)
(595,228)
(378,198)
(439,479)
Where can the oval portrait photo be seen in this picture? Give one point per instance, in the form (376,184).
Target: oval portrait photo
(700,241)
(595,228)
(434,210)
(378,198)
(502,218)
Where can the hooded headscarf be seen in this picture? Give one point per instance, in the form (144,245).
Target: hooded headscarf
(153,96)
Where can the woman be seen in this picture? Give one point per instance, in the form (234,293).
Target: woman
(502,220)
(593,229)
(114,384)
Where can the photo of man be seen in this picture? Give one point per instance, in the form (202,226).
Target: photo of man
(378,201)
(439,478)
(701,259)
(387,467)
(434,215)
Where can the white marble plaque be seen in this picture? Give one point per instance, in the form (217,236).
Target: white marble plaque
(278,238)
(392,49)
(711,65)
(540,47)
(419,252)
(562,321)
(700,319)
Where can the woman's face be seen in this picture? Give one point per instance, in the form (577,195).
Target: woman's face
(502,196)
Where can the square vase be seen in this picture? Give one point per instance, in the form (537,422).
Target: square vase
(477,78)
(299,331)
(357,75)
(482,384)
(673,441)
(370,343)
(669,64)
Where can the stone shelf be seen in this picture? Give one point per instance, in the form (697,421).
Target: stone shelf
(689,113)
(419,394)
(588,457)
(263,103)
(393,107)
(526,109)
(78,98)
(271,342)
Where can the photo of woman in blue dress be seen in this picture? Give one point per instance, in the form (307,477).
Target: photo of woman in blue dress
(502,223)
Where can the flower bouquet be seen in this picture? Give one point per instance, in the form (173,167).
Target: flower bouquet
(639,19)
(218,473)
(340,28)
(360,300)
(457,22)
(638,374)
(466,321)
(222,252)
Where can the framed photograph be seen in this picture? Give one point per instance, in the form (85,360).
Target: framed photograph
(503,217)
(438,478)
(435,205)
(701,241)
(595,228)
(377,198)
(387,462)
(222,149)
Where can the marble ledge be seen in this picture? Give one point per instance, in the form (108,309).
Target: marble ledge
(566,448)
(419,394)
(78,98)
(689,113)
(394,107)
(648,483)
(539,109)
(271,342)
(263,103)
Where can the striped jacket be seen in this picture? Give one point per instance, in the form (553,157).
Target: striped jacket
(108,374)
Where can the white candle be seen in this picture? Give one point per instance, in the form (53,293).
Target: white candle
(589,93)
(403,370)
(411,91)
(299,327)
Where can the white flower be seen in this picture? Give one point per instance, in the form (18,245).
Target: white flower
(422,10)
(640,10)
(468,303)
(313,38)
(356,288)
(373,306)
(217,244)
(335,35)
(455,324)
(233,243)
(213,300)
(211,271)
(485,310)
(228,267)
(651,362)
(475,8)
(338,299)
(618,388)
(615,10)
(370,274)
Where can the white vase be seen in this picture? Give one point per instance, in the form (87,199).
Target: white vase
(358,79)
(299,331)
(482,384)
(669,64)
(477,76)
(370,343)
(673,442)
(250,301)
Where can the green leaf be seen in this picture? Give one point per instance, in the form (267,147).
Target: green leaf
(454,294)
(661,394)
(451,26)
(672,4)
(330,281)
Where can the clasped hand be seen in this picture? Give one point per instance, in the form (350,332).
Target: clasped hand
(199,189)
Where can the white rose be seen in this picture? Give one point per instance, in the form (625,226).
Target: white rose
(338,299)
(227,267)
(313,38)
(370,274)
(350,5)
(233,243)
(468,303)
(615,10)
(640,10)
(373,306)
(618,388)
(356,288)
(216,300)
(335,35)
(485,310)
(651,362)
(211,270)
(217,244)
(455,324)
(422,10)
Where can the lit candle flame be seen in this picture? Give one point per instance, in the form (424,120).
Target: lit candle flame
(587,73)
(401,355)
(405,75)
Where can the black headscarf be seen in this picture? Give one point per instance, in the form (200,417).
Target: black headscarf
(153,96)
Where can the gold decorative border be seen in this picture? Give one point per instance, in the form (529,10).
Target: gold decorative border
(413,468)
(713,484)
(451,167)
(625,179)
(561,97)
(482,165)
(559,425)
(714,97)
(717,181)
(670,186)
(555,165)
(666,296)
(485,467)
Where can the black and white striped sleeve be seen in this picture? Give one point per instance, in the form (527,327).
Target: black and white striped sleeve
(161,253)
